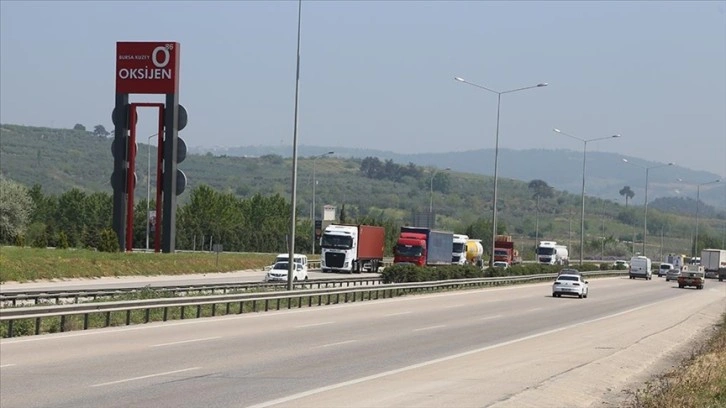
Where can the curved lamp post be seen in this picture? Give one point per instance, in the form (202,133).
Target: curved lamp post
(584,157)
(645,215)
(496,150)
(698,199)
(312,210)
(431,203)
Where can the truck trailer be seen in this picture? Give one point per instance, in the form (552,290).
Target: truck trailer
(423,246)
(714,263)
(352,248)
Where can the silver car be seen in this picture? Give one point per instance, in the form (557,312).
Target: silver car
(673,274)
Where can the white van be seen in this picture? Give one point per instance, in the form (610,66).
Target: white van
(640,267)
(299,259)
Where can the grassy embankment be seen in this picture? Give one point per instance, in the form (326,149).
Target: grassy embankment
(31,264)
(699,382)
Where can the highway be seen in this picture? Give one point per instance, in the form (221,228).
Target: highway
(124,282)
(501,347)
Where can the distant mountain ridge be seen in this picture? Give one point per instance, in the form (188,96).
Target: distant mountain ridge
(606,173)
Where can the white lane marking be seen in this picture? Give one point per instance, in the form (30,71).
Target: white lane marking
(429,328)
(145,377)
(338,343)
(313,325)
(439,360)
(452,306)
(185,341)
(490,317)
(533,310)
(397,314)
(6,365)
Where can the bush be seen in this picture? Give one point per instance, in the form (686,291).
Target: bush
(62,241)
(411,273)
(108,241)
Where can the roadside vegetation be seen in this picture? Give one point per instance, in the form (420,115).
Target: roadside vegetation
(31,264)
(698,382)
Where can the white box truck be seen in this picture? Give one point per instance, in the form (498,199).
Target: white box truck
(714,263)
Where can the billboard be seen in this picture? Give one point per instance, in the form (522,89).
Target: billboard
(147,67)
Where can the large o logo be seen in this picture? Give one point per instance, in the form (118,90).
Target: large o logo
(155,56)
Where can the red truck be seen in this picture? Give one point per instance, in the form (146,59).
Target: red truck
(504,250)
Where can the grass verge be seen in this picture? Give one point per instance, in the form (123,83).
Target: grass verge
(698,382)
(30,264)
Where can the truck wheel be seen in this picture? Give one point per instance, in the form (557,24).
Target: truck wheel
(680,286)
(375,266)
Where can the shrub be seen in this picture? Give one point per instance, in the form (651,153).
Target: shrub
(108,241)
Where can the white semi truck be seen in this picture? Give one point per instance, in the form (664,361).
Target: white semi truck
(550,253)
(458,254)
(352,248)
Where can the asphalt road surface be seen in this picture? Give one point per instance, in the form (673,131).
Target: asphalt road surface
(499,347)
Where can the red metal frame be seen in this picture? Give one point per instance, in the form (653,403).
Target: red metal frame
(131,170)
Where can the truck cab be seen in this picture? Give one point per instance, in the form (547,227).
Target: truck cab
(458,254)
(410,248)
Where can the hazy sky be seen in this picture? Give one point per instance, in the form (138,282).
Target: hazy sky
(379,74)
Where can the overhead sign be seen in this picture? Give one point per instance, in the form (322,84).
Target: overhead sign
(147,67)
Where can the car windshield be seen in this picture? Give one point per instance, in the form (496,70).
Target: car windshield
(666,266)
(568,278)
(459,247)
(281,265)
(336,241)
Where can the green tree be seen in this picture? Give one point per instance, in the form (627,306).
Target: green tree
(100,131)
(80,127)
(16,207)
(627,193)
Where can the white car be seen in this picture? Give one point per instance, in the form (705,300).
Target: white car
(566,284)
(501,264)
(278,273)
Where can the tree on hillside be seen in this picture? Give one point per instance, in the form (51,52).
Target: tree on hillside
(16,206)
(100,131)
(80,127)
(541,190)
(627,193)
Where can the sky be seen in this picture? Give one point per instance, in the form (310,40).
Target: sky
(380,74)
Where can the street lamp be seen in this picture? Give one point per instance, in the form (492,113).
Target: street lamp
(584,157)
(496,150)
(431,204)
(312,210)
(293,194)
(645,215)
(698,199)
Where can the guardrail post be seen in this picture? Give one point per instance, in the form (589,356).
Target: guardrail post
(10,328)
(241,307)
(128,317)
(182,312)
(37,326)
(165,314)
(63,323)
(199,311)
(85,321)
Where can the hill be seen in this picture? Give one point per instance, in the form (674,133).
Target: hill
(606,174)
(62,159)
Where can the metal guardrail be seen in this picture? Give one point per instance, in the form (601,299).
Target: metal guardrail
(17,298)
(252,302)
